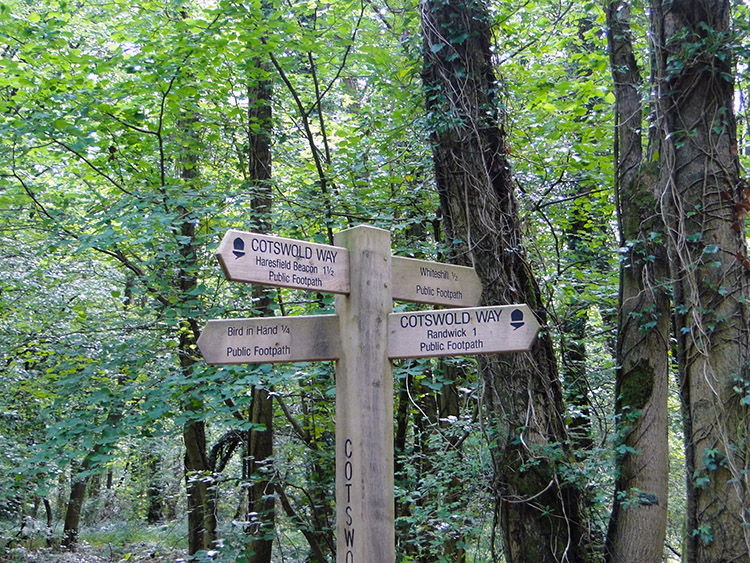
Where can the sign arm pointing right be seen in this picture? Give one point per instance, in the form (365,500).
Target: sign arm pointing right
(459,332)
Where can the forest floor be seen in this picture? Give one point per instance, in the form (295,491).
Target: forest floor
(113,542)
(140,553)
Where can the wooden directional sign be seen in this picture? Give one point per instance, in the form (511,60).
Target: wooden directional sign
(421,281)
(284,262)
(458,332)
(363,336)
(270,339)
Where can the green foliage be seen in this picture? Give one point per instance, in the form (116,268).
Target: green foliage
(101,104)
(161,537)
(441,489)
(124,152)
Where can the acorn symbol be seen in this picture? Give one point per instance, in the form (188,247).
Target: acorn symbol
(239,248)
(516,319)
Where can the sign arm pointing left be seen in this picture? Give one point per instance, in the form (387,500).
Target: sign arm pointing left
(283,262)
(270,339)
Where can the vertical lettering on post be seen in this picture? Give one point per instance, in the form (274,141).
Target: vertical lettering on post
(349,522)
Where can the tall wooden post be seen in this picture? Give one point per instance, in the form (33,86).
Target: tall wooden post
(364,403)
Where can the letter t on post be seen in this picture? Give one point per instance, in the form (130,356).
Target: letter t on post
(364,403)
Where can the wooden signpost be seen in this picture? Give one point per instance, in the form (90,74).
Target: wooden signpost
(270,340)
(457,332)
(363,337)
(283,262)
(421,281)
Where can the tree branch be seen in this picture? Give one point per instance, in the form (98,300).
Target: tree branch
(95,168)
(296,518)
(301,433)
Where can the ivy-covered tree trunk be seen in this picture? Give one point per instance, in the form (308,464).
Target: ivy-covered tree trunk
(538,495)
(199,502)
(639,516)
(583,232)
(704,203)
(573,338)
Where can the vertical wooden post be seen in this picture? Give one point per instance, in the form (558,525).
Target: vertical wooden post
(364,403)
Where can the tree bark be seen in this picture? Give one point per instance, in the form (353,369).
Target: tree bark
(704,205)
(154,489)
(573,344)
(638,522)
(540,500)
(49,522)
(200,502)
(260,437)
(78,484)
(75,506)
(260,470)
(198,475)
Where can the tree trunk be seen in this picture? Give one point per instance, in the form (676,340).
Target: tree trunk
(75,506)
(321,474)
(581,232)
(539,497)
(260,437)
(49,522)
(638,523)
(78,484)
(200,502)
(573,344)
(260,470)
(704,205)
(154,489)
(198,475)
(449,408)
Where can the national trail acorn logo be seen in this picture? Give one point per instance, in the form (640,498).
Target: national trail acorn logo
(239,248)
(516,319)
